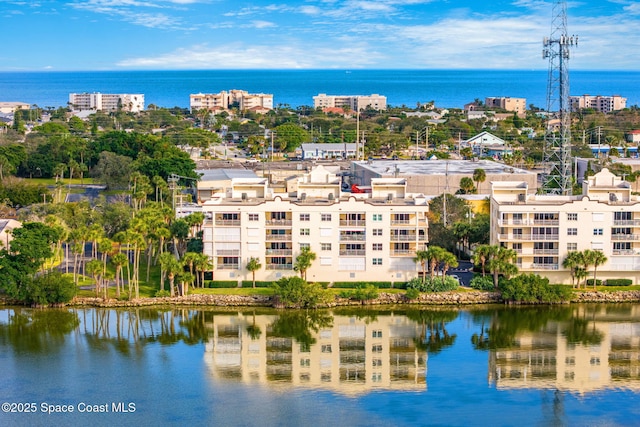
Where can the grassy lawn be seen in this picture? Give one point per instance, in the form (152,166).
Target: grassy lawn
(66,181)
(232,291)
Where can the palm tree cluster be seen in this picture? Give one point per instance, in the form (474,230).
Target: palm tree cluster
(579,262)
(435,256)
(497,259)
(109,241)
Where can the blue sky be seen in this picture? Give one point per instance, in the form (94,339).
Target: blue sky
(309,34)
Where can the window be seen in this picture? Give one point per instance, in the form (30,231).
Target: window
(305,245)
(572,246)
(253,217)
(376,334)
(377,217)
(597,231)
(377,261)
(304,231)
(305,362)
(325,246)
(377,231)
(572,231)
(377,362)
(304,217)
(572,216)
(326,348)
(377,348)
(325,217)
(377,246)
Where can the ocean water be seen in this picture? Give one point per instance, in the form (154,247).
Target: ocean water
(448,88)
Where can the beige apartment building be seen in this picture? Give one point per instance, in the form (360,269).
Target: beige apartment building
(602,104)
(133,103)
(517,105)
(225,100)
(543,229)
(352,102)
(356,237)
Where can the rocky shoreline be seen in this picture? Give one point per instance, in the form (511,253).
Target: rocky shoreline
(440,298)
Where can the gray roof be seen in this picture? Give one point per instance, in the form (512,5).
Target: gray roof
(225,174)
(437,167)
(323,147)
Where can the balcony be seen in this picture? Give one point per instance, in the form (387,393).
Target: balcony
(544,237)
(546,251)
(228,266)
(403,237)
(403,252)
(227,252)
(353,252)
(402,222)
(279,267)
(536,266)
(228,222)
(278,222)
(278,237)
(353,237)
(546,222)
(623,252)
(275,252)
(353,223)
(627,222)
(625,237)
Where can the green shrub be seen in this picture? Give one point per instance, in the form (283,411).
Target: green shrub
(249,284)
(355,285)
(618,282)
(435,284)
(296,292)
(412,293)
(532,289)
(590,282)
(223,284)
(482,283)
(365,293)
(162,293)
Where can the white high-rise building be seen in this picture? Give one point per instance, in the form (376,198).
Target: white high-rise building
(352,102)
(96,101)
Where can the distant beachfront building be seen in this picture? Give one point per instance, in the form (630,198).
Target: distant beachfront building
(12,107)
(353,102)
(602,104)
(132,103)
(233,98)
(517,105)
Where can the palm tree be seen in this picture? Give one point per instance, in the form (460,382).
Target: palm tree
(597,259)
(203,264)
(253,265)
(448,260)
(479,176)
(304,261)
(171,267)
(94,268)
(466,185)
(573,262)
(482,254)
(434,254)
(118,261)
(421,257)
(502,262)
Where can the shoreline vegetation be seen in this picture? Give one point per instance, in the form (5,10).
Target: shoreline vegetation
(451,298)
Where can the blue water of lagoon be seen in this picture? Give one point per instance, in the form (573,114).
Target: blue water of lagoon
(400,366)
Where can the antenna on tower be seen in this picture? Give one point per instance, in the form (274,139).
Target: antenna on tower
(557,150)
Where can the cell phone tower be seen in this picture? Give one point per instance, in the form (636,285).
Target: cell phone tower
(557,150)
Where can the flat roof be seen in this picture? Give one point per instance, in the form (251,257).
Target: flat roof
(438,167)
(224,174)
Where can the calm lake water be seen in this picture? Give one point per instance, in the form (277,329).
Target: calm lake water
(497,366)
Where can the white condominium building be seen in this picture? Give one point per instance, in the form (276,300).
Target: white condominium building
(603,104)
(96,101)
(356,237)
(234,98)
(543,229)
(352,102)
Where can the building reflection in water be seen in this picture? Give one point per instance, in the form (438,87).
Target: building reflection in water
(345,353)
(595,349)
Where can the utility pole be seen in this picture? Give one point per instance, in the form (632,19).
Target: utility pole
(557,154)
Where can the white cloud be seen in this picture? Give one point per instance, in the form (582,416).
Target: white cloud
(239,56)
